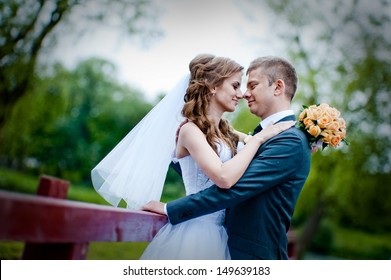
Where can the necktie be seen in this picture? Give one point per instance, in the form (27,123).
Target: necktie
(257,129)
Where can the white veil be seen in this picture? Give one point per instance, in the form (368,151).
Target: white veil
(135,170)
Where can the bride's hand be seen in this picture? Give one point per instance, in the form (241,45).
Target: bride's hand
(154,206)
(272,130)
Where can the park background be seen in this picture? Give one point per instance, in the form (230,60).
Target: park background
(77,76)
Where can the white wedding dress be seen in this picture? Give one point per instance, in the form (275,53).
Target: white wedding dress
(202,238)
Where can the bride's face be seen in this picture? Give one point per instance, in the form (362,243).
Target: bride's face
(227,96)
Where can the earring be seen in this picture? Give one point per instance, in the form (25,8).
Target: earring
(213,94)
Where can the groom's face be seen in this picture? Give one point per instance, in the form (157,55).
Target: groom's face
(259,94)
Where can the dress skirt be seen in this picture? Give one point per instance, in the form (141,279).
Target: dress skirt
(203,238)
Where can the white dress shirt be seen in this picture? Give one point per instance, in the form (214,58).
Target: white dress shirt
(276,117)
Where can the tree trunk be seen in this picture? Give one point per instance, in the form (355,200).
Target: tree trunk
(310,229)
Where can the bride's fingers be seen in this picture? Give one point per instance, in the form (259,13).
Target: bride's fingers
(154,206)
(285,125)
(280,127)
(147,206)
(290,123)
(274,129)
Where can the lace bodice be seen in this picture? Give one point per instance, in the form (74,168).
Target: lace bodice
(193,178)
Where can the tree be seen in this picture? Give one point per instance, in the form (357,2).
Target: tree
(71,120)
(29,27)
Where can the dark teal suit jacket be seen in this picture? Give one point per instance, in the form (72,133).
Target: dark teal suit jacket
(261,204)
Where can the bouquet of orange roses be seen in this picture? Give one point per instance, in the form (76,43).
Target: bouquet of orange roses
(324,126)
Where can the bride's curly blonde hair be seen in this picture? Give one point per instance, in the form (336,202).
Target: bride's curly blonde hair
(206,72)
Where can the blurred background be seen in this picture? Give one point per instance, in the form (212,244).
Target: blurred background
(76,76)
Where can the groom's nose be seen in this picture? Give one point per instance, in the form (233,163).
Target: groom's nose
(246,94)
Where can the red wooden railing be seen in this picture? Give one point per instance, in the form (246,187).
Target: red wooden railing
(55,228)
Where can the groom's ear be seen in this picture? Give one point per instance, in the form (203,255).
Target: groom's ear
(279,87)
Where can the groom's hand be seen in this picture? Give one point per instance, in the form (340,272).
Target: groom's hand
(154,206)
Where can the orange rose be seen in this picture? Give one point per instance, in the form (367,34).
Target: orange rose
(335,140)
(324,120)
(332,126)
(334,113)
(308,122)
(314,130)
(324,106)
(322,110)
(327,135)
(311,114)
(303,115)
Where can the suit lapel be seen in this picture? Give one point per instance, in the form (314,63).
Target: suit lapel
(287,118)
(257,129)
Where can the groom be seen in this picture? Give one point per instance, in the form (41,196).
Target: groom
(261,204)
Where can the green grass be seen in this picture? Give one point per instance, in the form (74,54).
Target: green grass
(357,245)
(10,250)
(15,181)
(116,250)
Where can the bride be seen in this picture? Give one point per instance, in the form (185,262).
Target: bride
(206,147)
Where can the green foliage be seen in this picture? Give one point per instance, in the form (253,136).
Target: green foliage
(242,120)
(353,196)
(29,27)
(71,121)
(173,191)
(358,245)
(323,241)
(361,196)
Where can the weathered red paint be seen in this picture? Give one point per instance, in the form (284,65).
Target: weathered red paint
(44,219)
(55,228)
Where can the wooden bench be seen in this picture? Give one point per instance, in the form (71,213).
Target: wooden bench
(55,228)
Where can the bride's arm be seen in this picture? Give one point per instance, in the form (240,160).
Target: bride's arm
(241,135)
(245,138)
(226,174)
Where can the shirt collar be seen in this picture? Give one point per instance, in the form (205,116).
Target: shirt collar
(276,117)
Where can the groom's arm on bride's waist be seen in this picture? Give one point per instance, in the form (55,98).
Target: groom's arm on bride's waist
(276,163)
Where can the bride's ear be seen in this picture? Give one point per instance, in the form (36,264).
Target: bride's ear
(213,91)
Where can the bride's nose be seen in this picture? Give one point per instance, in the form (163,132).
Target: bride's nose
(239,94)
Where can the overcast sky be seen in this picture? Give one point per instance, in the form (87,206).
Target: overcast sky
(223,28)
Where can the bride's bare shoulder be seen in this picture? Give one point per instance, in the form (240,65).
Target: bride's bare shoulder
(190,131)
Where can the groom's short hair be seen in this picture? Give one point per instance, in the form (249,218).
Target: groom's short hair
(277,68)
